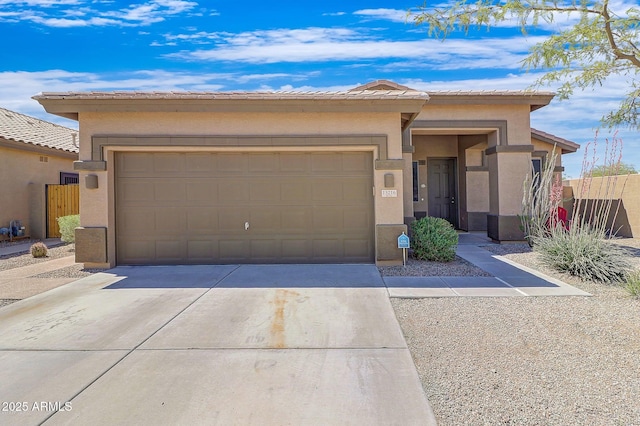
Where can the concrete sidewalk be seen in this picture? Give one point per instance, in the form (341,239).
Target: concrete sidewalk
(211,345)
(23,282)
(509,278)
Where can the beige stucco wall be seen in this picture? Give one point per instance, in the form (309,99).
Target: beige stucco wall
(517,116)
(19,169)
(95,210)
(626,189)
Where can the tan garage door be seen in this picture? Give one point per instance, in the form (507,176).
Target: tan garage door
(200,208)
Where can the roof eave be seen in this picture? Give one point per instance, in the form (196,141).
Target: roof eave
(71,108)
(41,149)
(567,146)
(535,100)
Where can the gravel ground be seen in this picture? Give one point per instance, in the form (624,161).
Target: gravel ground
(25,259)
(529,360)
(422,268)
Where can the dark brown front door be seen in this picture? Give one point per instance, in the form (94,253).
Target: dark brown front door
(443,201)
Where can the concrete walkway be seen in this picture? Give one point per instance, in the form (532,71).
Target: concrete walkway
(255,345)
(509,278)
(23,282)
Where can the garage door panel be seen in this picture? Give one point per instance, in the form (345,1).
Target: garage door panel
(298,192)
(327,190)
(326,162)
(231,219)
(356,163)
(233,250)
(295,163)
(134,164)
(171,221)
(265,249)
(170,250)
(232,191)
(267,163)
(297,219)
(137,191)
(301,208)
(137,221)
(232,163)
(169,163)
(202,221)
(202,251)
(328,248)
(172,191)
(355,221)
(201,192)
(200,163)
(265,221)
(295,249)
(136,251)
(259,190)
(356,191)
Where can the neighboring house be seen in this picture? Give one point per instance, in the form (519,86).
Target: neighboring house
(33,153)
(295,177)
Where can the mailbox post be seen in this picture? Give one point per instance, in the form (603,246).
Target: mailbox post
(404,244)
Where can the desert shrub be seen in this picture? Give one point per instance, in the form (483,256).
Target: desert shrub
(39,249)
(584,252)
(68,225)
(434,239)
(632,283)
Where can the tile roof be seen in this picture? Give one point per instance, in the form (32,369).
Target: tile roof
(488,92)
(23,128)
(284,95)
(564,144)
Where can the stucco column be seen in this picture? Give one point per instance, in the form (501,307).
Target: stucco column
(508,166)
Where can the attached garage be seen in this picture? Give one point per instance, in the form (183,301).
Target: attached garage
(241,177)
(244,207)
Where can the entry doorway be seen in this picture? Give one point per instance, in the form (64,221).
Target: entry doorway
(443,200)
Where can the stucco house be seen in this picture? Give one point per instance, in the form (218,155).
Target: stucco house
(33,153)
(295,177)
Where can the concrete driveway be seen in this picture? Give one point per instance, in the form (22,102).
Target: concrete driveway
(263,345)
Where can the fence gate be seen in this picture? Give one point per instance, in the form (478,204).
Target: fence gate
(62,200)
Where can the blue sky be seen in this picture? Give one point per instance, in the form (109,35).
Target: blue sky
(81,45)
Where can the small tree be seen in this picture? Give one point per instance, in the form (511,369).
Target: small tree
(597,43)
(613,170)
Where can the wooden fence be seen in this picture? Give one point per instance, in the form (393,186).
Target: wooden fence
(62,200)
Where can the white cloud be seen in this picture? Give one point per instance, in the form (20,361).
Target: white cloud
(341,44)
(65,14)
(17,87)
(394,15)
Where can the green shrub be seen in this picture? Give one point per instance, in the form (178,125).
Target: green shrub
(433,239)
(632,283)
(584,252)
(68,225)
(39,249)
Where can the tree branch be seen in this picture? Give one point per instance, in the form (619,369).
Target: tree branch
(612,42)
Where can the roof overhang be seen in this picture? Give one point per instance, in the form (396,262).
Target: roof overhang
(535,100)
(565,145)
(40,149)
(71,104)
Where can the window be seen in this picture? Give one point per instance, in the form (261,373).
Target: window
(416,185)
(536,171)
(69,178)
